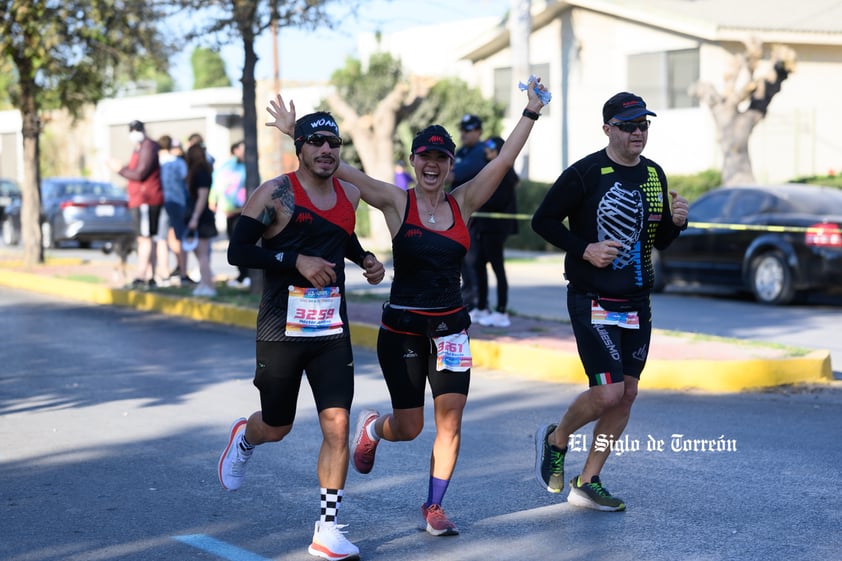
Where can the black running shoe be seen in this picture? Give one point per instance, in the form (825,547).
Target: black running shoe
(549,461)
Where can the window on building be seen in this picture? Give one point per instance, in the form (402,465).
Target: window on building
(662,79)
(503,81)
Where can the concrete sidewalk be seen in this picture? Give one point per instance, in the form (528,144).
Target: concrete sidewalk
(537,347)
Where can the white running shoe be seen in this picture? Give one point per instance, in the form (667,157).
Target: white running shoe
(204,290)
(329,542)
(496,319)
(232,463)
(239,284)
(477,315)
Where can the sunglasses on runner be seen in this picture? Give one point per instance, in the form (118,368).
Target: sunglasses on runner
(631,126)
(317,139)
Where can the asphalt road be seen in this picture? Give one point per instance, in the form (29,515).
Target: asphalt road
(112,422)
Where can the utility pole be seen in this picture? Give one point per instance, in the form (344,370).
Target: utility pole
(520,29)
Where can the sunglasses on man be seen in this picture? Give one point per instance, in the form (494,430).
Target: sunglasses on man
(317,139)
(631,126)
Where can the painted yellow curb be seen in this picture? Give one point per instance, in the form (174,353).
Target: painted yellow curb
(720,376)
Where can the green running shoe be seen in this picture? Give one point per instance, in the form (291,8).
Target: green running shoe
(549,461)
(593,495)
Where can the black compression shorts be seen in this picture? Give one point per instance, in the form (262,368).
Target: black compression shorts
(280,365)
(408,361)
(608,352)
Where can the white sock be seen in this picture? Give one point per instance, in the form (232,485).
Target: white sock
(369,430)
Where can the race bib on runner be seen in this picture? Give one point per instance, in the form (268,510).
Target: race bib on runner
(453,352)
(601,316)
(313,312)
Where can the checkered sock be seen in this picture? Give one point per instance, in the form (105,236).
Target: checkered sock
(245,445)
(331,500)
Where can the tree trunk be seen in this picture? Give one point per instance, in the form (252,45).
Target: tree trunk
(372,135)
(33,250)
(736,161)
(250,133)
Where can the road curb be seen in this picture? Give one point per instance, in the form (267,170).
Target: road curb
(719,376)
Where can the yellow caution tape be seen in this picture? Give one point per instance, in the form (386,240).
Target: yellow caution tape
(692,224)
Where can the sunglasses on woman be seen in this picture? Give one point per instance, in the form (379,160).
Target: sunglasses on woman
(317,139)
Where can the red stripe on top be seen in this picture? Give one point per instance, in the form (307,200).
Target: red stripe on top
(336,214)
(457,232)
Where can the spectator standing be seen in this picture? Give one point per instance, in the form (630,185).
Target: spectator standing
(488,239)
(197,138)
(146,198)
(403,178)
(298,228)
(201,224)
(172,228)
(469,160)
(617,205)
(228,195)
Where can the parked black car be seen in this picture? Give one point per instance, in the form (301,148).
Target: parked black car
(75,209)
(773,241)
(9,193)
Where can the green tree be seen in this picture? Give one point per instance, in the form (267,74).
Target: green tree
(67,54)
(452,98)
(208,69)
(8,77)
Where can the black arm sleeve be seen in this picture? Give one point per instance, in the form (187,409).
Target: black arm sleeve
(354,251)
(563,198)
(243,250)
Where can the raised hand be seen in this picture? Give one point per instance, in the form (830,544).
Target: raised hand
(284,118)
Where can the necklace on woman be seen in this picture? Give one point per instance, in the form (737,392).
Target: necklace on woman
(432,213)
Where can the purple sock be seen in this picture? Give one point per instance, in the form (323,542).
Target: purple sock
(437,489)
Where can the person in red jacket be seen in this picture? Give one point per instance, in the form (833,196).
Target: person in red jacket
(146,198)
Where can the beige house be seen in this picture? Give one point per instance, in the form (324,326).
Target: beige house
(587,50)
(657,48)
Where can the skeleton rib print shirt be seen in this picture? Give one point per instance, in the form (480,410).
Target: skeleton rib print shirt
(602,200)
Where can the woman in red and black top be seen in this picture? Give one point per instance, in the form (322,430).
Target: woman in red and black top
(423,335)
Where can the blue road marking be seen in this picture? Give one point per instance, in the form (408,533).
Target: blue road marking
(219,548)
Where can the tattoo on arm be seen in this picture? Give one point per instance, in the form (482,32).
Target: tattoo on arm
(282,196)
(267,217)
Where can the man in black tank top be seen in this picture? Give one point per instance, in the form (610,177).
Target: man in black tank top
(299,228)
(618,209)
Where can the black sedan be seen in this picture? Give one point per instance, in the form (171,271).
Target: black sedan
(775,242)
(75,209)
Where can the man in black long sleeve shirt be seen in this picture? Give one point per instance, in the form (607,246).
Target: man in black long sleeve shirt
(617,206)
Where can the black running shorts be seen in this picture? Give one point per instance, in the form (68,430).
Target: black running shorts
(608,352)
(408,361)
(280,365)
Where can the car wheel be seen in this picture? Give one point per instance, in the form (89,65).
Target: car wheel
(658,277)
(771,279)
(47,240)
(10,236)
